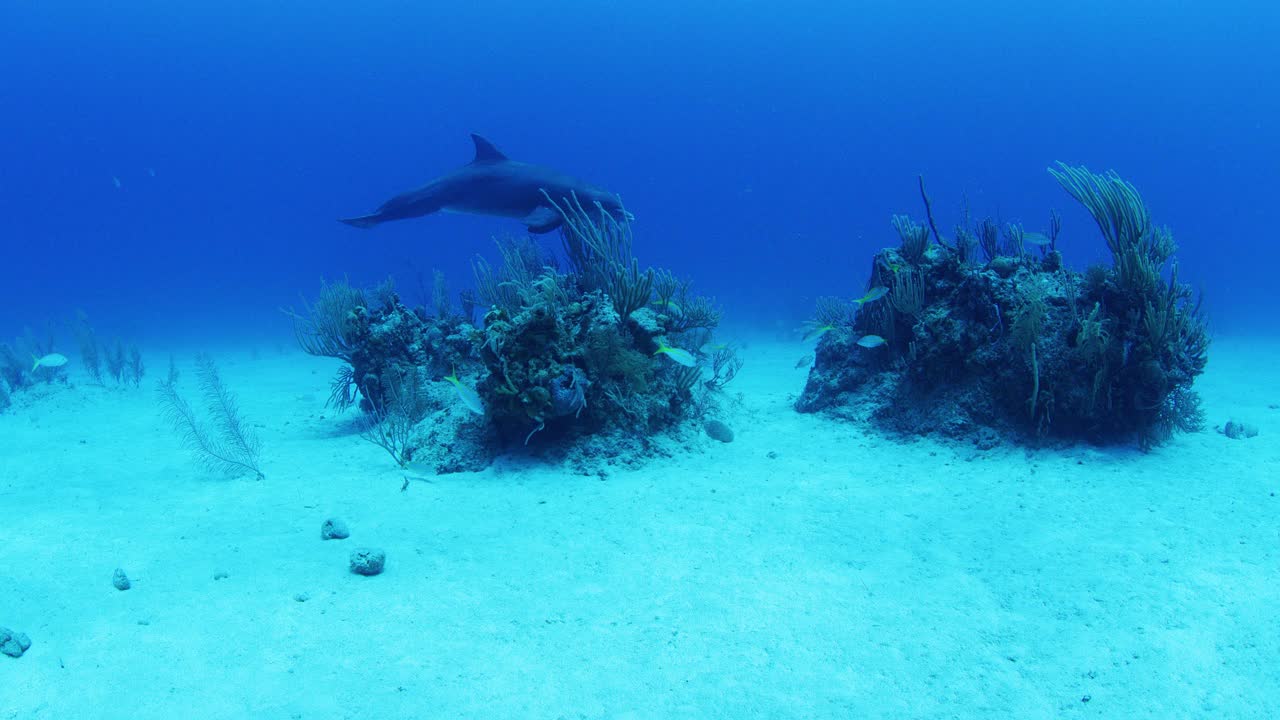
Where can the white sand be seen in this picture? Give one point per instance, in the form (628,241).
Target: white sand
(847,577)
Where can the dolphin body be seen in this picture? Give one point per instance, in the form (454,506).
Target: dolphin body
(493,184)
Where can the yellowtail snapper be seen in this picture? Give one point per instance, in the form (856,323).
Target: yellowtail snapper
(678,356)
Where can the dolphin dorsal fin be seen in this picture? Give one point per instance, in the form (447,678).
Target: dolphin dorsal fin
(485,151)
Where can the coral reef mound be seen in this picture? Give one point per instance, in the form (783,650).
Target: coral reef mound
(593,361)
(991,337)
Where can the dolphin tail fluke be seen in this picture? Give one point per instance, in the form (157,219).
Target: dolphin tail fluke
(364,221)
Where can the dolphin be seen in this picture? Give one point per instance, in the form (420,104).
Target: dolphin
(493,184)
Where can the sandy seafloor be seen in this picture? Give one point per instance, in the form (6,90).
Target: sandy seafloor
(809,569)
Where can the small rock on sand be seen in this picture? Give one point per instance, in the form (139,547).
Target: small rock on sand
(13,643)
(1238,430)
(334,529)
(717,430)
(367,561)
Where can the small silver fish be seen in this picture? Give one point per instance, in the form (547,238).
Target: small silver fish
(1037,239)
(52,360)
(871,341)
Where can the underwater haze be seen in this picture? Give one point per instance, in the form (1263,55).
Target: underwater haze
(761,146)
(918,361)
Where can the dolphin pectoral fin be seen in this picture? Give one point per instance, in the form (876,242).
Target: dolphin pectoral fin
(542,220)
(364,221)
(485,151)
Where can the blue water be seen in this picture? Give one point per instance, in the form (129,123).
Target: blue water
(763,146)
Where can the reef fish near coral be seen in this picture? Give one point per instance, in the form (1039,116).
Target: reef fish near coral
(678,356)
(871,341)
(469,397)
(493,184)
(816,331)
(872,295)
(52,360)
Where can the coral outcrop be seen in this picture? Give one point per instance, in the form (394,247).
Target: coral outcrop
(561,361)
(1014,344)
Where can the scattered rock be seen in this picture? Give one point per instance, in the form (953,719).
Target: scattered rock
(120,580)
(221,575)
(302,597)
(1237,430)
(334,529)
(1004,266)
(648,321)
(717,430)
(986,438)
(448,441)
(367,561)
(13,643)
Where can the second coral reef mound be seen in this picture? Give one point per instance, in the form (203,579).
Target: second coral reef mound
(991,337)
